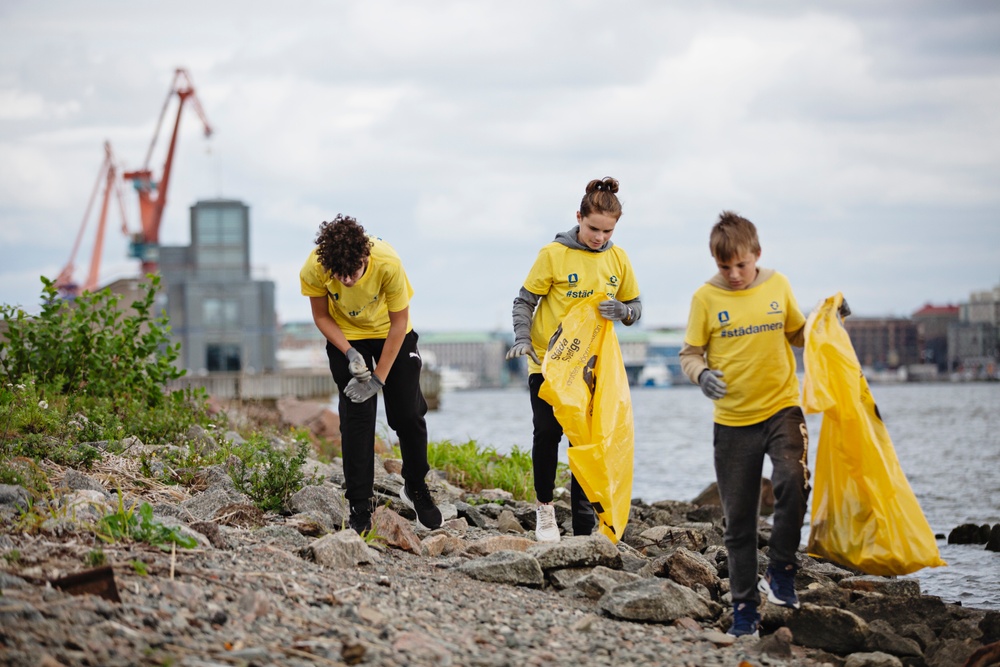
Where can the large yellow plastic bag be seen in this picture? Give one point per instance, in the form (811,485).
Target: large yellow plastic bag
(586,384)
(864,513)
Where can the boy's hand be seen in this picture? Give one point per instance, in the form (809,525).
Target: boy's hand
(615,310)
(356,364)
(359,392)
(712,384)
(519,349)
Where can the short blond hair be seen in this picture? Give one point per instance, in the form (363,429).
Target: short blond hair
(732,236)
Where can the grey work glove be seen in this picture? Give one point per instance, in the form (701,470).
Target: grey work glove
(521,348)
(613,309)
(356,364)
(712,384)
(844,309)
(359,392)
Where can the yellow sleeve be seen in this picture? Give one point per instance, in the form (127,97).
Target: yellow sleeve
(539,280)
(311,280)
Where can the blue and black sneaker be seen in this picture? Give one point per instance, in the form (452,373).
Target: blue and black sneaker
(778,583)
(746,620)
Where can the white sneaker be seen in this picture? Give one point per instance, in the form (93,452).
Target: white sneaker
(546,528)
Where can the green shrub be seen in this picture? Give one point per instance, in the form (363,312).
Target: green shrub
(90,346)
(268,475)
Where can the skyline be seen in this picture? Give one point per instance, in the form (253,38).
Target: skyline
(862,141)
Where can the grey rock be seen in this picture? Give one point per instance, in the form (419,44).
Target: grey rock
(14,495)
(949,652)
(601,580)
(286,536)
(343,549)
(905,587)
(883,638)
(470,514)
(578,551)
(507,523)
(77,481)
(993,541)
(835,630)
(664,540)
(691,569)
(567,577)
(325,500)
(204,505)
(874,659)
(655,600)
(505,567)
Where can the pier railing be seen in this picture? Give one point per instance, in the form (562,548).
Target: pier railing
(301,384)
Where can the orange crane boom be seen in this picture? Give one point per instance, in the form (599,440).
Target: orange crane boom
(153,195)
(108,172)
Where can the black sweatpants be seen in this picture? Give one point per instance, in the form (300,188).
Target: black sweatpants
(405,408)
(545,458)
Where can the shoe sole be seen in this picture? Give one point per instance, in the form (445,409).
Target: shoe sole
(550,540)
(765,588)
(409,503)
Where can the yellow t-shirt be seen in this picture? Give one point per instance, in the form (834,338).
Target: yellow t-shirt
(362,310)
(562,276)
(743,332)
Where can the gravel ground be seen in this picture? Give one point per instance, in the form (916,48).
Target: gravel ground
(263,604)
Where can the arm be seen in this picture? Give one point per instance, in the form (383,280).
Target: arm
(636,306)
(693,361)
(326,324)
(331,330)
(524,311)
(797,337)
(393,341)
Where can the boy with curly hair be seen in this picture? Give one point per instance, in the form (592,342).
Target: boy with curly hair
(360,296)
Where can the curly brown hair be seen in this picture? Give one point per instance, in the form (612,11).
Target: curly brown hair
(601,198)
(342,245)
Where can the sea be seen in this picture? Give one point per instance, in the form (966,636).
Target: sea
(945,435)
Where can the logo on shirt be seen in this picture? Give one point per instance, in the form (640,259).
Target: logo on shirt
(573,279)
(336,296)
(613,280)
(775,308)
(723,317)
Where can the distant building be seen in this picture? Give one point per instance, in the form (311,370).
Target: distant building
(932,330)
(974,340)
(468,359)
(224,320)
(884,343)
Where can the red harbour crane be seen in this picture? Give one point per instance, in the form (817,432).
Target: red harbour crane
(144,244)
(153,194)
(108,173)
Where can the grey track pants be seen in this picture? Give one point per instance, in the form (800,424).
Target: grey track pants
(739,463)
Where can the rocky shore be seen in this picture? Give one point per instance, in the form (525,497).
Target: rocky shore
(296,588)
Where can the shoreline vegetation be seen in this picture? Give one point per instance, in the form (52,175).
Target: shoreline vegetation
(150,528)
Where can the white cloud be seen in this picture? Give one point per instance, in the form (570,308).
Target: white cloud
(464,133)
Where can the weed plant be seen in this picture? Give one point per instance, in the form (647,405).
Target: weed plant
(476,467)
(268,475)
(123,525)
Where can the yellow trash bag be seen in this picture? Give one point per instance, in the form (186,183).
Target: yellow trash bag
(864,513)
(586,385)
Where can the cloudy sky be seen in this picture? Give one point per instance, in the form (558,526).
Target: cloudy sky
(862,138)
